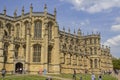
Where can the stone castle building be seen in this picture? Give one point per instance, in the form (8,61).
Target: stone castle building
(33,41)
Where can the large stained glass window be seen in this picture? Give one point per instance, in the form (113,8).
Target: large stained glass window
(38,30)
(36,53)
(49,30)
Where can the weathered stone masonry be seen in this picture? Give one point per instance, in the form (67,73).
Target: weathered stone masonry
(33,41)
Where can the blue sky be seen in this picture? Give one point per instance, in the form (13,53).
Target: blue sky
(90,15)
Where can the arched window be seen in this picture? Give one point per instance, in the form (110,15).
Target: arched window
(26,26)
(17,30)
(5,53)
(91,51)
(9,28)
(95,62)
(36,53)
(95,50)
(62,58)
(38,30)
(91,63)
(50,30)
(68,59)
(49,54)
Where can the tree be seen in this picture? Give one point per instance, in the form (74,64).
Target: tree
(116,63)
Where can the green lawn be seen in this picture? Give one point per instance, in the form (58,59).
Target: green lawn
(69,76)
(24,77)
(85,77)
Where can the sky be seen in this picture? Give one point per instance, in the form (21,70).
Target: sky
(89,15)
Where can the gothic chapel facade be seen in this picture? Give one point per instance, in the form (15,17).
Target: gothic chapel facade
(33,41)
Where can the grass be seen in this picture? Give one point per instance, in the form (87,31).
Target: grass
(24,77)
(85,77)
(69,76)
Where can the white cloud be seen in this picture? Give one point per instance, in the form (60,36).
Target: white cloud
(113,41)
(93,6)
(116,27)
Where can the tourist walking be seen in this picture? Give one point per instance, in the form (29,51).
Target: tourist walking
(74,75)
(44,71)
(3,73)
(93,76)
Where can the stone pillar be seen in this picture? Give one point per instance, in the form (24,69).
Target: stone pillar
(11,58)
(11,53)
(1,48)
(46,47)
(42,54)
(71,59)
(93,63)
(27,59)
(31,54)
(56,53)
(77,60)
(1,55)
(100,63)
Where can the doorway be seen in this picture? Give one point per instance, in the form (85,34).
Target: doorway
(19,68)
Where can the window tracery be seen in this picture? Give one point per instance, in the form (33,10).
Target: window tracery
(26,26)
(38,30)
(50,31)
(17,30)
(5,52)
(9,28)
(95,62)
(91,63)
(36,53)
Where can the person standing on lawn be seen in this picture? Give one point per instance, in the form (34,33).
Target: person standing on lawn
(3,73)
(74,75)
(93,76)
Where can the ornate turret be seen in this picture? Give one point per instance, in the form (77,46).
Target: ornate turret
(4,11)
(45,8)
(87,33)
(92,32)
(22,10)
(68,30)
(31,9)
(55,13)
(79,32)
(63,28)
(74,32)
(45,13)
(15,13)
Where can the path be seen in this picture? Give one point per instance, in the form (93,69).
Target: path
(56,77)
(117,76)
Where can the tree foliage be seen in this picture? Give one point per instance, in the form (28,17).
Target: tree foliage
(116,63)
